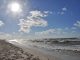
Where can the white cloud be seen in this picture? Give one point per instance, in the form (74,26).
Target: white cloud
(35,19)
(61,13)
(1,23)
(51,31)
(77,24)
(71,28)
(5,35)
(37,14)
(24,25)
(64,9)
(58,32)
(46,32)
(46,12)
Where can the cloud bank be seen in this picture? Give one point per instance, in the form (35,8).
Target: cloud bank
(57,32)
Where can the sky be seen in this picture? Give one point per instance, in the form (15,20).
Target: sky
(39,18)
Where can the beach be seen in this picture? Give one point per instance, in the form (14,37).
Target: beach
(11,52)
(33,50)
(49,51)
(16,50)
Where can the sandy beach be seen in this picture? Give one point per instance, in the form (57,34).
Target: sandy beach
(35,51)
(14,50)
(48,52)
(9,51)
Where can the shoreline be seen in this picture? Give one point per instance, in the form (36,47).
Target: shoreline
(48,55)
(36,52)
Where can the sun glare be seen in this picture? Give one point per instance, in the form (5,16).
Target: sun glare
(15,7)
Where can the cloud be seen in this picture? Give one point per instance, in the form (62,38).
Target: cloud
(34,19)
(77,24)
(48,12)
(58,32)
(36,14)
(5,35)
(73,28)
(50,31)
(63,11)
(1,23)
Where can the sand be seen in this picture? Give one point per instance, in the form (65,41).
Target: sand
(35,51)
(11,52)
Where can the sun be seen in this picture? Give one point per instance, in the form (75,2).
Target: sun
(15,7)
